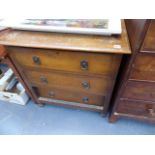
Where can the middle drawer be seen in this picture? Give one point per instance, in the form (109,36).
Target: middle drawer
(88,84)
(140,90)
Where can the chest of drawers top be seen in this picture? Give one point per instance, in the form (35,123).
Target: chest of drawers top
(86,43)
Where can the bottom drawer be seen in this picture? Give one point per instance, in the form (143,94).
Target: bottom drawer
(139,108)
(59,94)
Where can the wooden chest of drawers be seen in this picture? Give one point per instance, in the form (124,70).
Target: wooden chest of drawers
(66,69)
(135,95)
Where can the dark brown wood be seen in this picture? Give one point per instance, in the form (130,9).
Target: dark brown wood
(134,97)
(66,69)
(149,42)
(136,31)
(136,108)
(143,67)
(139,90)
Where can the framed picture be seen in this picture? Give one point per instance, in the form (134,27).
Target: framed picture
(81,26)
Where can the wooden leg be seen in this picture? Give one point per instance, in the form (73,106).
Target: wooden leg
(113,118)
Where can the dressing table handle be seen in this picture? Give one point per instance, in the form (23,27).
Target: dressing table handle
(85,85)
(151,111)
(84,65)
(85,99)
(51,94)
(36,60)
(43,79)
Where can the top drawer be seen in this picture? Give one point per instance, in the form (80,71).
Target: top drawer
(84,62)
(143,67)
(149,42)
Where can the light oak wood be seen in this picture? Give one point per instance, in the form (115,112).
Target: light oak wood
(89,43)
(72,96)
(54,66)
(106,64)
(87,84)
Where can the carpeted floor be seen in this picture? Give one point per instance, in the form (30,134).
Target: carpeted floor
(31,119)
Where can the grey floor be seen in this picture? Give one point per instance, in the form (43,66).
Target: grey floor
(31,119)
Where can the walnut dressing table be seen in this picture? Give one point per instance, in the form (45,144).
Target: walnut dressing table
(66,69)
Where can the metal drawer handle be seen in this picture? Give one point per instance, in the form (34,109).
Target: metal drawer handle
(51,94)
(150,109)
(36,60)
(43,79)
(85,99)
(85,85)
(84,65)
(151,112)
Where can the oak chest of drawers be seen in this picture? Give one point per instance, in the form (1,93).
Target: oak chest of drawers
(66,69)
(135,96)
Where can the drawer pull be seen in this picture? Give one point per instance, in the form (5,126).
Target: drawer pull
(151,112)
(43,79)
(84,65)
(51,94)
(150,109)
(36,60)
(85,85)
(85,99)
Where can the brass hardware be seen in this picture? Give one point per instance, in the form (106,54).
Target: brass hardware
(36,60)
(43,79)
(85,99)
(84,65)
(51,94)
(150,109)
(151,112)
(85,85)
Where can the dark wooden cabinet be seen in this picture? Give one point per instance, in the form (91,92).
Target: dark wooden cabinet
(67,69)
(135,93)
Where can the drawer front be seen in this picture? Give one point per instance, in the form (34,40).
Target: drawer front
(140,91)
(149,42)
(138,108)
(144,67)
(82,62)
(96,85)
(72,96)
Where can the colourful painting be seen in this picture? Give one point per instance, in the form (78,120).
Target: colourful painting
(74,23)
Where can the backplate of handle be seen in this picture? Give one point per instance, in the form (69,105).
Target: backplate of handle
(84,65)
(85,85)
(85,99)
(151,112)
(43,79)
(36,60)
(150,109)
(51,94)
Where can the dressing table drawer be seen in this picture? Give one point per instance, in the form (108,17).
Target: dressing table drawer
(139,90)
(77,62)
(71,96)
(89,84)
(137,108)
